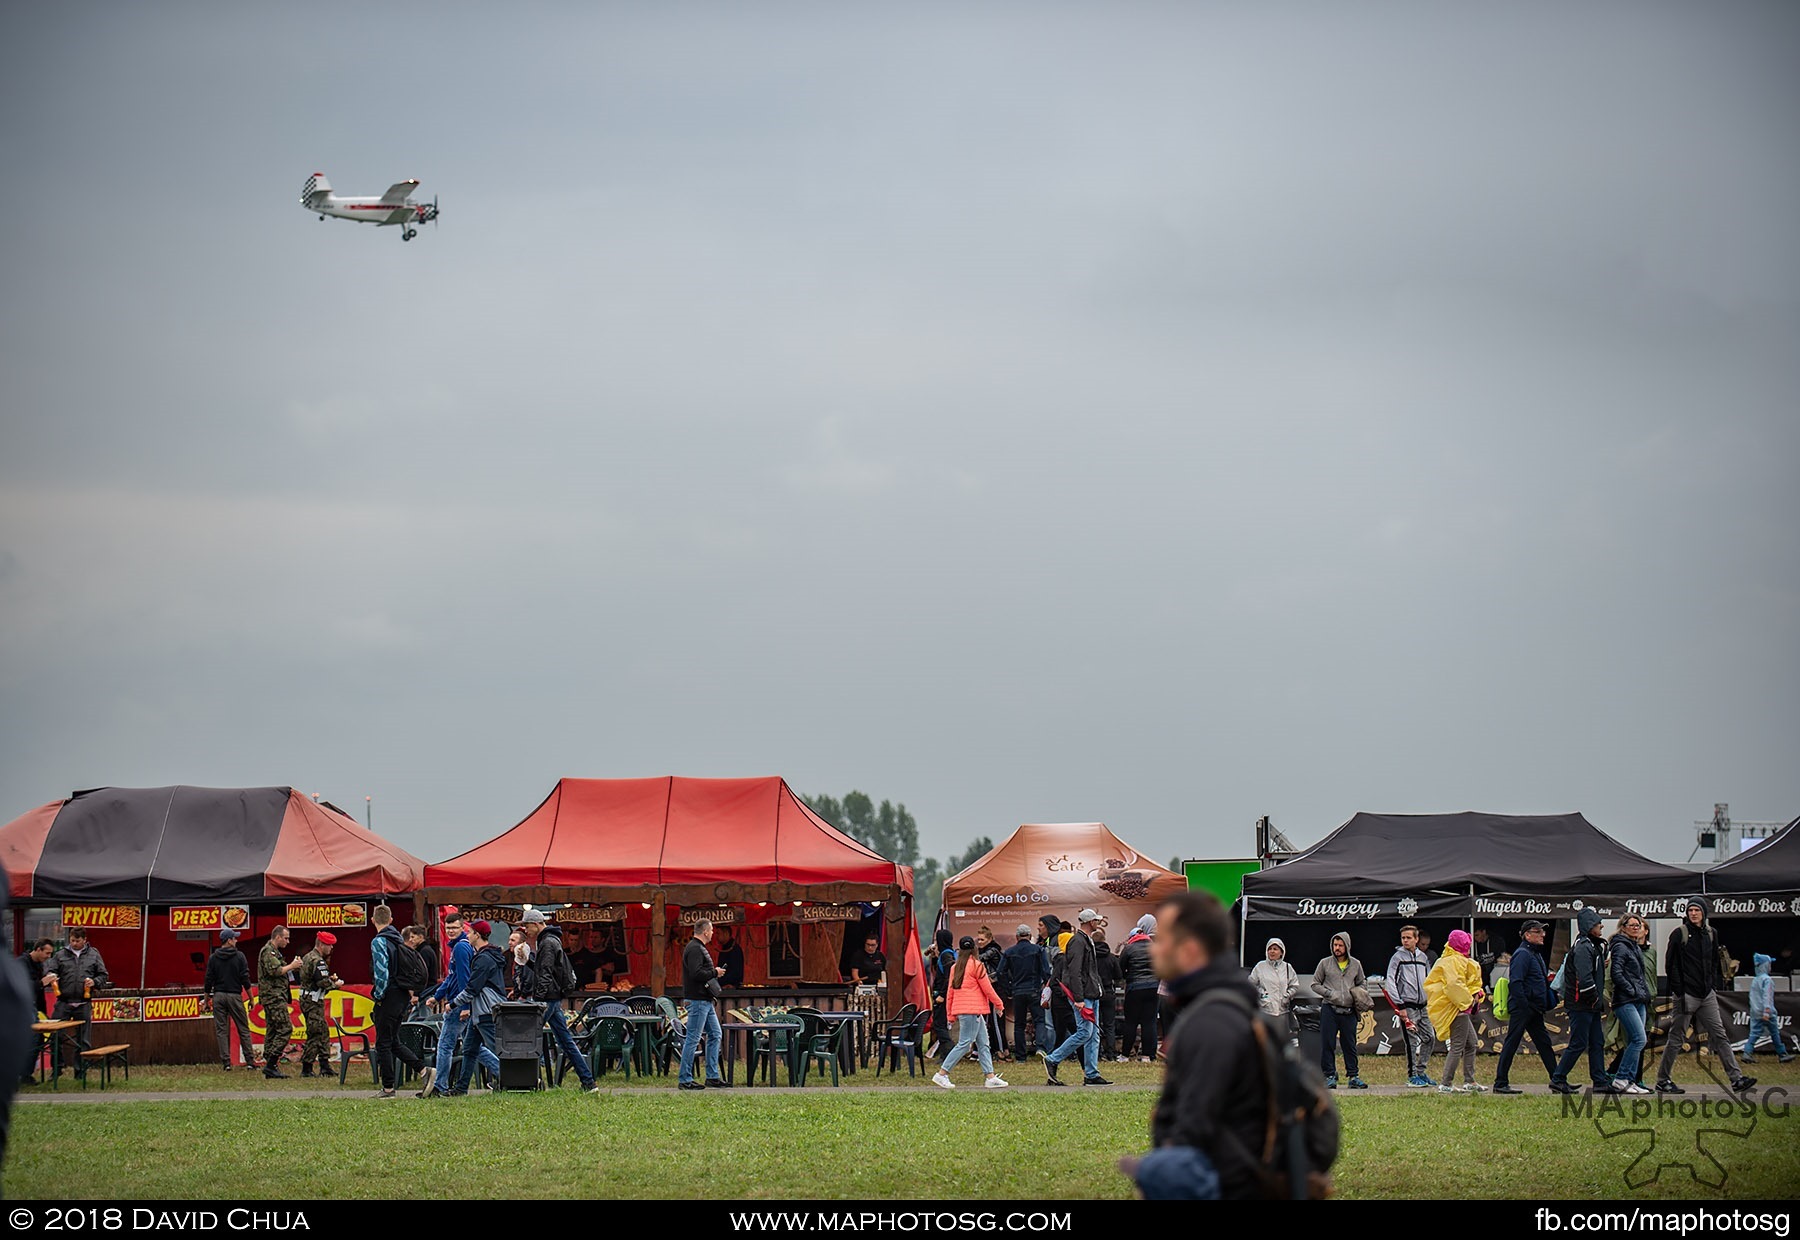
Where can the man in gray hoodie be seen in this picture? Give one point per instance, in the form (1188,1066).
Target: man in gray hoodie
(1406,987)
(1337,981)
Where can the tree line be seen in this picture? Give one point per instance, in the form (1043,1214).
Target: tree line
(892,831)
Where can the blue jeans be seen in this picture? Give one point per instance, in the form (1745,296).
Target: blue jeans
(1085,1039)
(1586,1033)
(1757,1027)
(449,1038)
(565,1041)
(1177,1173)
(1631,1023)
(479,1042)
(971,1031)
(702,1021)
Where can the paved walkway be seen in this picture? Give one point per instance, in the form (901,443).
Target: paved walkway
(94,1097)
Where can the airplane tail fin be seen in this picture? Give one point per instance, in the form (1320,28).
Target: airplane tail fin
(316,187)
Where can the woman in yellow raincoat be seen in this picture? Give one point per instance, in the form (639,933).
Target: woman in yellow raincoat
(1452,990)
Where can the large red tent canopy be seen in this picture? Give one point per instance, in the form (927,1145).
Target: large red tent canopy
(664,832)
(675,841)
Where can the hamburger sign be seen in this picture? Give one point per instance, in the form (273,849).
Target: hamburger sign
(326,916)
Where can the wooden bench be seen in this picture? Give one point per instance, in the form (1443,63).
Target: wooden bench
(106,1056)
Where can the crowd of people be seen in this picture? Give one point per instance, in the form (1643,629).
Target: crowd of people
(1607,986)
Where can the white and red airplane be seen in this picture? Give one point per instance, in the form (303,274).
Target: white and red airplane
(393,207)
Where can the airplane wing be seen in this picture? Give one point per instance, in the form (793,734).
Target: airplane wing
(398,191)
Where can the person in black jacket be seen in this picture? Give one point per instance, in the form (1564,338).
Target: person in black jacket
(1110,978)
(226,985)
(1527,999)
(1076,975)
(988,952)
(1026,971)
(1138,970)
(1584,982)
(698,977)
(1694,975)
(1631,1002)
(1209,1120)
(552,981)
(485,988)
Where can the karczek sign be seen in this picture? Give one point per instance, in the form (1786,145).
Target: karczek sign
(726,915)
(102,917)
(326,916)
(209,917)
(828,912)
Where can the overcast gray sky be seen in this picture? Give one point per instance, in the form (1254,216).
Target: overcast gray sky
(1161,414)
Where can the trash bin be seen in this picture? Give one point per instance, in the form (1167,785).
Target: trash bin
(520,1031)
(1306,1031)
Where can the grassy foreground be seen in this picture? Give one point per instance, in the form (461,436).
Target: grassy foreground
(899,1143)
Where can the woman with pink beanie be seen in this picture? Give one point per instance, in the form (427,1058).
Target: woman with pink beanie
(1452,992)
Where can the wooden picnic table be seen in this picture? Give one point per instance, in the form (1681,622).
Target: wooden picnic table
(50,1029)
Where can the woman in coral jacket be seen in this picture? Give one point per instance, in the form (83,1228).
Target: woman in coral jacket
(971,997)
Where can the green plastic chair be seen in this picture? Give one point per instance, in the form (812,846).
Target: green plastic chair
(825,1046)
(674,1031)
(612,1040)
(768,1044)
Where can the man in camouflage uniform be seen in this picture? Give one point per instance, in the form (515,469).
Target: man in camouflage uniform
(316,981)
(272,990)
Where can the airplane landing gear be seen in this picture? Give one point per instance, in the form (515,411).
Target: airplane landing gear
(409,234)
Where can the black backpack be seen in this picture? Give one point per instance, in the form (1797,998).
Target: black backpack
(406,968)
(558,981)
(1300,1140)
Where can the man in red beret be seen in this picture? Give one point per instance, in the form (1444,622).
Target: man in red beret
(316,981)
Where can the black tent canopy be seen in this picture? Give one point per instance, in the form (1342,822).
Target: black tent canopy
(1459,865)
(1764,882)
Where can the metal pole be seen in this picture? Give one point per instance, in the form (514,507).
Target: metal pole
(369,813)
(1243,928)
(144,958)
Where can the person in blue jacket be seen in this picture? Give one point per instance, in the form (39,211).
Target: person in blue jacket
(456,977)
(1527,999)
(1762,1011)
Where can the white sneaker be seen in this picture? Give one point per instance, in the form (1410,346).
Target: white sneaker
(1473,1088)
(1145,1059)
(1446,1089)
(994,1082)
(1632,1087)
(941,1079)
(425,1079)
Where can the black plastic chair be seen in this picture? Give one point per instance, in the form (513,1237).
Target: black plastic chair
(902,1038)
(345,1054)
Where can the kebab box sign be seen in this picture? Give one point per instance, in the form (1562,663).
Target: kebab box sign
(210,917)
(102,917)
(326,916)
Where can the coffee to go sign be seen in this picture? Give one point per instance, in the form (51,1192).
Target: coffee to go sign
(210,917)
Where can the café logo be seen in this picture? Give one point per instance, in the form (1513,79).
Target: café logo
(1062,865)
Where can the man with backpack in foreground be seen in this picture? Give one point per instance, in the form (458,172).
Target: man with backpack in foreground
(1240,1115)
(399,973)
(553,980)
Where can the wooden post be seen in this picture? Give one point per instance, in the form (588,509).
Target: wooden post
(418,918)
(659,943)
(893,917)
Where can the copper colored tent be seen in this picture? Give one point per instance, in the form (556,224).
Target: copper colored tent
(679,842)
(1060,868)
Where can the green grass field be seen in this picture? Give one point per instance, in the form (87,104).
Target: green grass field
(907,1140)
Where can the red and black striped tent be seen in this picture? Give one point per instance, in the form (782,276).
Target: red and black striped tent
(181,844)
